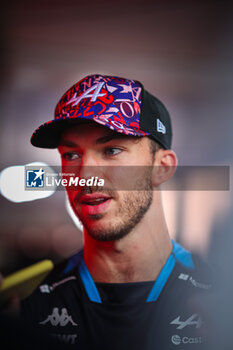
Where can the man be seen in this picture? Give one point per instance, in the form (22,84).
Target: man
(131,287)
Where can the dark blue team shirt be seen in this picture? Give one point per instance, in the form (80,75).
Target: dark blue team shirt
(163,314)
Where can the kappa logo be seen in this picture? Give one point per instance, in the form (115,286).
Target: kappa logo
(57,319)
(96,88)
(161,127)
(194,320)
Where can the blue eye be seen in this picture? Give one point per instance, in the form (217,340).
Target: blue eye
(69,156)
(112,151)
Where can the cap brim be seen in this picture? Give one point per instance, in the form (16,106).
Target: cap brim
(48,134)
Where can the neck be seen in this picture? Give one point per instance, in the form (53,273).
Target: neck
(139,256)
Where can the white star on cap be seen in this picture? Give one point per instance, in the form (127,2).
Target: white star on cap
(126,88)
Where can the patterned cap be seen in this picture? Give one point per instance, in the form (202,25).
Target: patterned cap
(120,104)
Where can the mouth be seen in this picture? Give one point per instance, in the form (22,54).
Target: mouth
(96,201)
(93,204)
(94,198)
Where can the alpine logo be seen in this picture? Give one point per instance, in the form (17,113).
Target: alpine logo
(59,319)
(96,88)
(161,127)
(194,320)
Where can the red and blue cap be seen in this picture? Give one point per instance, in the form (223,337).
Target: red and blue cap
(120,104)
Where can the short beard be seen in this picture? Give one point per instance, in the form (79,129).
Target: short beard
(119,231)
(131,211)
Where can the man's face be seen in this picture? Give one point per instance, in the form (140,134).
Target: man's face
(106,213)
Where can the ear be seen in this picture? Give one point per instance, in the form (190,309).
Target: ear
(165,164)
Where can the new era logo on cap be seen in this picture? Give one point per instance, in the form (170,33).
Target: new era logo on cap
(161,127)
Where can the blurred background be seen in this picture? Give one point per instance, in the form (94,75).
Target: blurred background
(182,51)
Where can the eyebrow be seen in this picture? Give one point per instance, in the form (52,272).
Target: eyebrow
(107,138)
(100,141)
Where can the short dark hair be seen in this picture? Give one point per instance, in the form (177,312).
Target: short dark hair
(154,146)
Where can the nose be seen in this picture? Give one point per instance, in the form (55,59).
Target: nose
(90,165)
